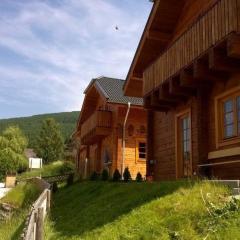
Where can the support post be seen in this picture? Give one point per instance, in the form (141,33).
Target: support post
(39,229)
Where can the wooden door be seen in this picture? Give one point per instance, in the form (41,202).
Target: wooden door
(183,145)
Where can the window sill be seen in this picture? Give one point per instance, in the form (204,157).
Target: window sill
(229,141)
(230,152)
(141,160)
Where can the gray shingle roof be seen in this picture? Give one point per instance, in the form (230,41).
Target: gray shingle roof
(112,89)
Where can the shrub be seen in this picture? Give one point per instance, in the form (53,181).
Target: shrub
(116,176)
(139,177)
(54,187)
(94,176)
(70,179)
(126,175)
(105,175)
(67,167)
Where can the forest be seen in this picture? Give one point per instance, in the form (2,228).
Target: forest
(31,125)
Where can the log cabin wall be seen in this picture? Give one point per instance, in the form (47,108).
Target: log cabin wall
(227,171)
(203,132)
(137,119)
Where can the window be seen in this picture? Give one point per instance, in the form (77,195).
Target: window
(142,150)
(228,118)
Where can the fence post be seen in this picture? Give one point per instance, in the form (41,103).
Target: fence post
(39,228)
(48,199)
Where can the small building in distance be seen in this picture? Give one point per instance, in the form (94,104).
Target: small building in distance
(100,130)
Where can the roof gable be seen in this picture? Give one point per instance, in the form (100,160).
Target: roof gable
(110,89)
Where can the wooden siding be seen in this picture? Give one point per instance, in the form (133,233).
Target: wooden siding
(221,20)
(203,135)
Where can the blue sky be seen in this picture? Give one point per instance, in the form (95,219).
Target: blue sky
(51,49)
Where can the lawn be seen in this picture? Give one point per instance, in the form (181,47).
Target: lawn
(52,169)
(166,210)
(21,198)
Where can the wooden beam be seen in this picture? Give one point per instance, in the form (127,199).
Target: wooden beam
(164,94)
(177,90)
(158,36)
(155,101)
(233,46)
(219,61)
(137,79)
(186,79)
(155,107)
(202,73)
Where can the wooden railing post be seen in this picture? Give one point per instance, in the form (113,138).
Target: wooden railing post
(39,228)
(48,199)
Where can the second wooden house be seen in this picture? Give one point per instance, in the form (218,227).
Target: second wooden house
(100,130)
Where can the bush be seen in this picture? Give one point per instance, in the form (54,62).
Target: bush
(105,175)
(54,187)
(116,176)
(94,176)
(126,175)
(139,177)
(70,179)
(66,168)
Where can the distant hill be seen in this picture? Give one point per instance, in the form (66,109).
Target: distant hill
(31,125)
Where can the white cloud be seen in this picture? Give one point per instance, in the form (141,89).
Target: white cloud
(68,44)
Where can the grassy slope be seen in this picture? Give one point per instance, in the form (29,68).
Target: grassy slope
(109,211)
(31,125)
(21,197)
(52,169)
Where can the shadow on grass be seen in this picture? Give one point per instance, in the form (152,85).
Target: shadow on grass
(86,206)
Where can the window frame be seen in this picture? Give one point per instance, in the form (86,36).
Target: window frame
(138,141)
(220,100)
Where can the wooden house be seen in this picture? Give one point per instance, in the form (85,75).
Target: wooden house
(187,69)
(100,130)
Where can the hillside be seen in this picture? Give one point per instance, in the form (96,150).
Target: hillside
(31,125)
(159,210)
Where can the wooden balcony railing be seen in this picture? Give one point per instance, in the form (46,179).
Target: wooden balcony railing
(99,120)
(221,20)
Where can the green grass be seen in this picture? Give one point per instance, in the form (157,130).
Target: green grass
(20,197)
(118,211)
(55,168)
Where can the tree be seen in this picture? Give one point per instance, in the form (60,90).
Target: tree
(49,144)
(126,175)
(116,176)
(12,146)
(139,177)
(105,175)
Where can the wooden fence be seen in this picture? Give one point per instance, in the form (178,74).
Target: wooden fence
(35,220)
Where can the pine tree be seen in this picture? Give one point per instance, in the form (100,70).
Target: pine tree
(49,144)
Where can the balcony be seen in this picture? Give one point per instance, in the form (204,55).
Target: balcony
(96,127)
(204,51)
